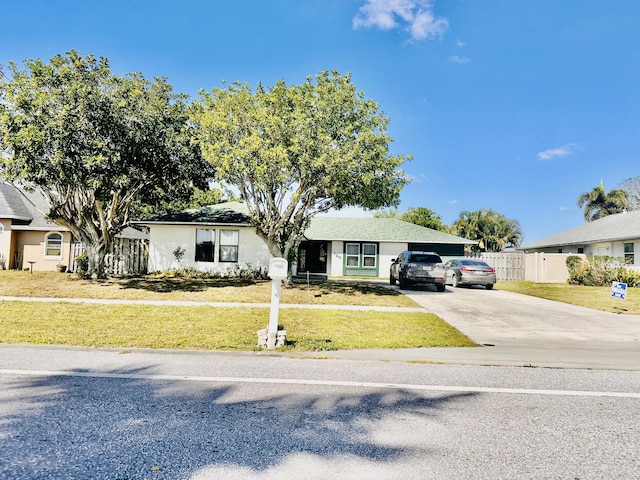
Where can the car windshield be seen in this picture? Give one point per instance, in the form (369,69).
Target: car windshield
(425,258)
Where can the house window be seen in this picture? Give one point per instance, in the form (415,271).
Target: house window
(205,245)
(628,254)
(353,254)
(53,245)
(580,249)
(559,250)
(369,251)
(228,246)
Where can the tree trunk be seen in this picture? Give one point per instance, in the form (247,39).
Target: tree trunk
(96,257)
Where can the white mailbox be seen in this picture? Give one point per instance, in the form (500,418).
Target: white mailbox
(278,268)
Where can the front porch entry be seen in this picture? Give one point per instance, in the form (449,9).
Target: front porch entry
(312,257)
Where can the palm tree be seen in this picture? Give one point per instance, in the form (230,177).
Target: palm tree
(598,203)
(492,230)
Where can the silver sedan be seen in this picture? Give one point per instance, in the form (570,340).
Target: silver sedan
(470,271)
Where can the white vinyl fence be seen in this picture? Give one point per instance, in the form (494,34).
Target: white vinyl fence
(533,267)
(127,256)
(508,265)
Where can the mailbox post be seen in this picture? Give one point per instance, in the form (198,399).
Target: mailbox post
(278,269)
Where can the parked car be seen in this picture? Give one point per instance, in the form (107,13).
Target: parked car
(418,267)
(470,271)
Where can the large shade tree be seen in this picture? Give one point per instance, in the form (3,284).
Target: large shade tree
(94,143)
(598,203)
(293,151)
(492,230)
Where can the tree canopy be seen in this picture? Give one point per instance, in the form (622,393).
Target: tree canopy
(492,230)
(425,217)
(598,203)
(94,143)
(632,187)
(293,151)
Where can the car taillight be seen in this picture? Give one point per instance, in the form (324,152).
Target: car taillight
(491,270)
(465,269)
(440,265)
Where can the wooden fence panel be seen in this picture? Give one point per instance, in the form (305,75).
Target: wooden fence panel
(127,256)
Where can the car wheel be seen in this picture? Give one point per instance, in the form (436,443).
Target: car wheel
(392,281)
(403,283)
(454,280)
(440,288)
(490,286)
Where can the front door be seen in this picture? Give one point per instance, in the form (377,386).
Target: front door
(312,257)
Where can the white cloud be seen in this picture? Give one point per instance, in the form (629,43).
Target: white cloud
(414,16)
(460,43)
(553,153)
(452,202)
(457,59)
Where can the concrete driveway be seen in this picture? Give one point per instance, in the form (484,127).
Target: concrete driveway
(495,316)
(520,330)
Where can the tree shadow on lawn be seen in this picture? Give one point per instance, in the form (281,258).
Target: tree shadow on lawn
(351,287)
(126,424)
(183,284)
(186,284)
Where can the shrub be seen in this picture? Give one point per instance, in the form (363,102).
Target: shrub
(82,261)
(600,271)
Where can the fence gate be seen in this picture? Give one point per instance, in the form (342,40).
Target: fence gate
(508,265)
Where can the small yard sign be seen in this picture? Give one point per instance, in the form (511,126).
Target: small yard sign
(619,290)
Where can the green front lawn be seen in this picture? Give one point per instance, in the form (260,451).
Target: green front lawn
(598,298)
(211,328)
(218,328)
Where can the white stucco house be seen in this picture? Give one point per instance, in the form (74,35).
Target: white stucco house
(216,238)
(616,235)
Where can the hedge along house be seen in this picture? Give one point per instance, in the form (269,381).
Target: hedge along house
(219,238)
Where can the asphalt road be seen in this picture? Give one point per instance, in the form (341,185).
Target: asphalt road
(113,414)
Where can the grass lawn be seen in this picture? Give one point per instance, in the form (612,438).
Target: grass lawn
(211,328)
(63,285)
(218,328)
(598,298)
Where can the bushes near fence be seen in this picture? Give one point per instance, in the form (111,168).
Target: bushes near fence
(600,271)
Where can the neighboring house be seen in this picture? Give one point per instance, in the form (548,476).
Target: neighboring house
(28,241)
(219,237)
(616,235)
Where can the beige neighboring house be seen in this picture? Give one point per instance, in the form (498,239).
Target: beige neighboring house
(28,241)
(616,235)
(219,238)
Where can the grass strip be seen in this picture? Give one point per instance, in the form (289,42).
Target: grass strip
(218,328)
(598,298)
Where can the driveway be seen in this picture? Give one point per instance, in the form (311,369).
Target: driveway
(496,316)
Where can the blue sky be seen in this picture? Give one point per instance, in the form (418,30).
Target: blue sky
(514,105)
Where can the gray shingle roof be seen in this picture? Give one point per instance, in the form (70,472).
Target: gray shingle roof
(377,230)
(25,207)
(321,228)
(620,226)
(234,213)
